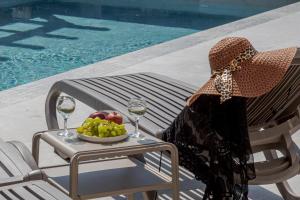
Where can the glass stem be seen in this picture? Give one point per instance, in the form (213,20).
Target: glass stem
(136,125)
(65,125)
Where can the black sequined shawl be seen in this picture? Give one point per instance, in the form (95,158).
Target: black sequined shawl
(213,143)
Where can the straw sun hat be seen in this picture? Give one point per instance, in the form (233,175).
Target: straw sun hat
(239,70)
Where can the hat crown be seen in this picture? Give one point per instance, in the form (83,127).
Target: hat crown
(227,50)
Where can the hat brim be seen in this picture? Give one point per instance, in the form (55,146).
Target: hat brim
(257,76)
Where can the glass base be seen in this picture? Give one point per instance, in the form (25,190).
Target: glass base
(65,134)
(137,135)
(134,135)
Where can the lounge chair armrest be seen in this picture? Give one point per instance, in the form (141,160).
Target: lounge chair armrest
(159,133)
(26,154)
(35,175)
(11,180)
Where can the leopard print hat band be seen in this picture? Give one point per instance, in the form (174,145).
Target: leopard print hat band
(239,70)
(223,77)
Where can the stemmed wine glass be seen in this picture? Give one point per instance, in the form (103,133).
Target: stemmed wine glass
(137,107)
(65,106)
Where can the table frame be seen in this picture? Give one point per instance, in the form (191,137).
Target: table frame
(83,156)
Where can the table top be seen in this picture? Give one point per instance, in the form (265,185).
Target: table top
(71,146)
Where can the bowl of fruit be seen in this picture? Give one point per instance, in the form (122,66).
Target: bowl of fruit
(103,127)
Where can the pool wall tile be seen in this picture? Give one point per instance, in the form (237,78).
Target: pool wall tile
(217,7)
(9,3)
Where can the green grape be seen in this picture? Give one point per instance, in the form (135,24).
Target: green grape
(101,128)
(101,135)
(88,133)
(80,129)
(89,120)
(85,125)
(95,130)
(119,132)
(97,120)
(113,133)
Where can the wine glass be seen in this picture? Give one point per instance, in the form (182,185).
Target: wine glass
(65,106)
(137,107)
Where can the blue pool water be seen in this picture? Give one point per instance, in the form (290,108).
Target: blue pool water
(42,39)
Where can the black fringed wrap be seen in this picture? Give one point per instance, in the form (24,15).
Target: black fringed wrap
(213,143)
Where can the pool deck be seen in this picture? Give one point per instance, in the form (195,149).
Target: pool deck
(22,107)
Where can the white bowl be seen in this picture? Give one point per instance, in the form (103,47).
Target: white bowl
(102,140)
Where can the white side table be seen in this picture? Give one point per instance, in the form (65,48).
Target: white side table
(119,174)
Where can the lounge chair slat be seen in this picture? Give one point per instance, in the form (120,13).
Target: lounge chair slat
(7,195)
(117,104)
(14,163)
(286,95)
(102,90)
(286,91)
(125,88)
(122,99)
(4,171)
(119,99)
(262,109)
(179,92)
(171,82)
(31,190)
(23,193)
(152,112)
(161,86)
(1,196)
(9,166)
(46,188)
(169,100)
(146,92)
(39,193)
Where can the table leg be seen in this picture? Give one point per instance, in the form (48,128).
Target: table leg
(175,172)
(36,146)
(130,196)
(149,195)
(74,178)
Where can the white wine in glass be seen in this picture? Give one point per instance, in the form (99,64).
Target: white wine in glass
(65,106)
(137,107)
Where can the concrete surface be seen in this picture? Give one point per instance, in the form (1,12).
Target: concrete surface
(22,108)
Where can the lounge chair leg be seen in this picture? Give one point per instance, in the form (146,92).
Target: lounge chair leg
(284,188)
(286,191)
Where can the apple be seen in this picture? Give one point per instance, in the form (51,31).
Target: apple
(100,114)
(115,117)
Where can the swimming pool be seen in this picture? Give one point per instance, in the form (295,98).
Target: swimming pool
(45,38)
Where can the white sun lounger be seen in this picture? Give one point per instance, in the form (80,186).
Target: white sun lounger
(273,117)
(20,177)
(32,190)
